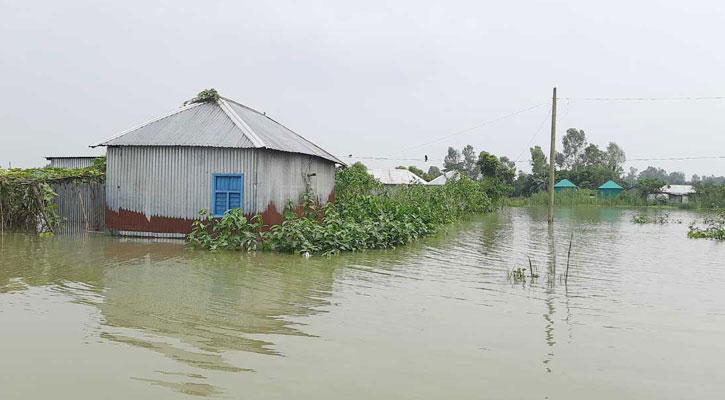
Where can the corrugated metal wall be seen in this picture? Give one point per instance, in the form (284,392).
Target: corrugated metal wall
(175,182)
(79,162)
(69,205)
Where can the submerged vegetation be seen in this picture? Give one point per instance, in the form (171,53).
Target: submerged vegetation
(714,228)
(26,197)
(654,219)
(357,220)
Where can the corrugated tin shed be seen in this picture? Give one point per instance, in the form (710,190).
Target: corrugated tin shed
(441,180)
(71,161)
(609,189)
(216,155)
(678,190)
(223,123)
(396,176)
(565,183)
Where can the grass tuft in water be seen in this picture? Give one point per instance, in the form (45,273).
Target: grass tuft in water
(714,228)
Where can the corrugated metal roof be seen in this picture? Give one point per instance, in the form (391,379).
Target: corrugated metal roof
(276,136)
(224,123)
(442,179)
(610,185)
(396,176)
(678,190)
(565,183)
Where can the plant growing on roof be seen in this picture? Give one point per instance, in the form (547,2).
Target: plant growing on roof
(206,95)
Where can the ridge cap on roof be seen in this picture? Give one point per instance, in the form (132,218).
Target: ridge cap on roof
(264,114)
(240,124)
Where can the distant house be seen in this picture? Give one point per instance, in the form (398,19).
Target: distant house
(610,189)
(215,155)
(564,185)
(678,194)
(442,179)
(74,162)
(396,177)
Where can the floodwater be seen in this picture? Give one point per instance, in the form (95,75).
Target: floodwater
(641,316)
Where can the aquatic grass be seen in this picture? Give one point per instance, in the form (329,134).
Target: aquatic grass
(654,219)
(714,228)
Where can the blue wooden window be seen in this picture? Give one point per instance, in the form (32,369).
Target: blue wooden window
(227,192)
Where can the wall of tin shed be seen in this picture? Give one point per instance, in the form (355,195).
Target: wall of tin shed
(158,191)
(71,208)
(71,162)
(281,177)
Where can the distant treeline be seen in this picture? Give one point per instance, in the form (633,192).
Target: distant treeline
(584,163)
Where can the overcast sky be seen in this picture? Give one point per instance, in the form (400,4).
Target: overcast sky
(371,78)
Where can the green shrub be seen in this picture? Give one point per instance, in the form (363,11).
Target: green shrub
(358,220)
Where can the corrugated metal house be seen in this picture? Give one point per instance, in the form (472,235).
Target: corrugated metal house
(75,162)
(564,185)
(215,155)
(676,194)
(610,189)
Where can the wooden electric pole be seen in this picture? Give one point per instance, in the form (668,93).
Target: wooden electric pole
(552,156)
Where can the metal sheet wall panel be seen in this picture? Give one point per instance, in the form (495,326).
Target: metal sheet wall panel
(69,205)
(71,162)
(281,178)
(175,182)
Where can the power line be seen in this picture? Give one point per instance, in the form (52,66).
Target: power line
(536,133)
(440,159)
(389,158)
(642,98)
(675,158)
(481,125)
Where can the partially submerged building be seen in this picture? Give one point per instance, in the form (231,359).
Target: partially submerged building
(565,185)
(676,194)
(215,155)
(395,177)
(610,189)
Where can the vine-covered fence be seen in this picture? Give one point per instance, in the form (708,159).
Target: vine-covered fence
(46,199)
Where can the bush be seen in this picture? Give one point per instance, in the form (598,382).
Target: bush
(357,221)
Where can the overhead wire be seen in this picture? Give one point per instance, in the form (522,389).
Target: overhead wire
(481,125)
(538,130)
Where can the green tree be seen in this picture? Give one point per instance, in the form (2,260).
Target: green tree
(433,172)
(417,171)
(574,141)
(492,167)
(676,178)
(469,162)
(593,157)
(646,186)
(452,161)
(653,173)
(539,167)
(615,157)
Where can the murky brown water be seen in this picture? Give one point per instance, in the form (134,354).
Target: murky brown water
(642,316)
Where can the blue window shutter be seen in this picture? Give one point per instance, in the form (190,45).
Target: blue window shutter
(227,193)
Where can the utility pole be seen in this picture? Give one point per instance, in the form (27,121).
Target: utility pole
(552,156)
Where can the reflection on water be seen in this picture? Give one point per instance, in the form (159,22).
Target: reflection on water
(641,315)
